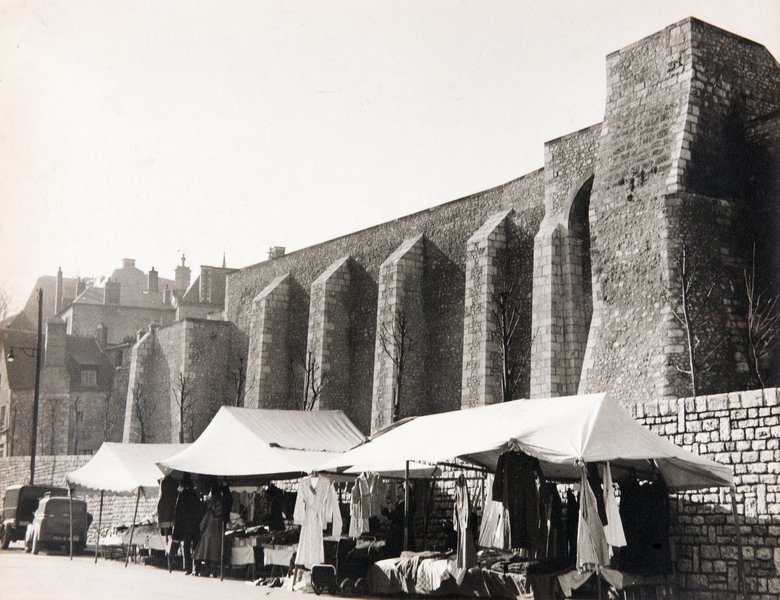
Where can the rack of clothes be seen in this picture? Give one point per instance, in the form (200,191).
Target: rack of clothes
(554,535)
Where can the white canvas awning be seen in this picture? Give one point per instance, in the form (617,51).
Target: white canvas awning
(246,443)
(123,468)
(562,433)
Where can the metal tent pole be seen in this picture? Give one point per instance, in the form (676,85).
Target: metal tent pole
(740,556)
(132,526)
(406,506)
(100,523)
(222,547)
(70,519)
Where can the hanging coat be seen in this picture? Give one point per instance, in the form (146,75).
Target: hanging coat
(315,506)
(166,503)
(494,531)
(467,554)
(515,486)
(592,548)
(361,506)
(613,530)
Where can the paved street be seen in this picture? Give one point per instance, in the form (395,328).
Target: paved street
(55,577)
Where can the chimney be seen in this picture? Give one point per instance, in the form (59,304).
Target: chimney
(275,252)
(112,292)
(81,286)
(166,296)
(128,262)
(101,335)
(55,343)
(152,281)
(182,280)
(58,292)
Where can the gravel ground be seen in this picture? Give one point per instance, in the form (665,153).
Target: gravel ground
(55,577)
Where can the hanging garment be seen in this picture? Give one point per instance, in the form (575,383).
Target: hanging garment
(467,553)
(315,506)
(592,548)
(361,505)
(613,530)
(166,504)
(551,522)
(515,486)
(494,531)
(572,525)
(645,513)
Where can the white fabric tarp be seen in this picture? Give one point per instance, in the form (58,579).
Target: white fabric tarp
(123,468)
(249,442)
(562,433)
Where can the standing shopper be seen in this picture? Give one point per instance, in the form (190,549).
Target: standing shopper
(208,549)
(185,523)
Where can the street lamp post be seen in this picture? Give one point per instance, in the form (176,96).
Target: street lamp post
(37,351)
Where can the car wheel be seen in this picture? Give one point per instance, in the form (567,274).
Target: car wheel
(5,539)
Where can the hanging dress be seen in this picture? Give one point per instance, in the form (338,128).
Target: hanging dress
(592,548)
(360,507)
(613,530)
(315,506)
(494,529)
(467,554)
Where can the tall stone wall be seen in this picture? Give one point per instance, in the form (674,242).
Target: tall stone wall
(447,229)
(562,298)
(664,134)
(741,429)
(197,356)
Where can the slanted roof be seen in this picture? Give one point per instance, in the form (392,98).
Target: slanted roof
(260,443)
(563,433)
(123,468)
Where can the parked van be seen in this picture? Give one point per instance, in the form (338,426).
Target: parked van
(19,506)
(51,525)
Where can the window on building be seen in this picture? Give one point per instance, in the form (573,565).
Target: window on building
(89,377)
(3,417)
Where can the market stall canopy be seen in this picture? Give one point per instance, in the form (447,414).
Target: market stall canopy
(562,433)
(247,443)
(123,468)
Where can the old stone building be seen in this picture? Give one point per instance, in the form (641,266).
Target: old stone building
(89,330)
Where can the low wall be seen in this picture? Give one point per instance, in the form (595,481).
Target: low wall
(741,429)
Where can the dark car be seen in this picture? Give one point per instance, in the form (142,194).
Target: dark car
(51,526)
(19,506)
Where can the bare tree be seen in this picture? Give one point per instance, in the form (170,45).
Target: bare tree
(506,316)
(109,416)
(142,408)
(308,369)
(182,394)
(237,374)
(763,324)
(687,306)
(397,344)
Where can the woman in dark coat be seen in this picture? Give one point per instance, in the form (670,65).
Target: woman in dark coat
(186,522)
(209,547)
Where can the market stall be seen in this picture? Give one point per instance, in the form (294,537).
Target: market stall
(253,447)
(122,469)
(572,440)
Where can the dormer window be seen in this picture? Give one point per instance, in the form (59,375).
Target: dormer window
(89,377)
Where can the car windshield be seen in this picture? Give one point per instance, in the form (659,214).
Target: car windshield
(60,507)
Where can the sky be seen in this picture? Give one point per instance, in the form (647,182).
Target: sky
(146,129)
